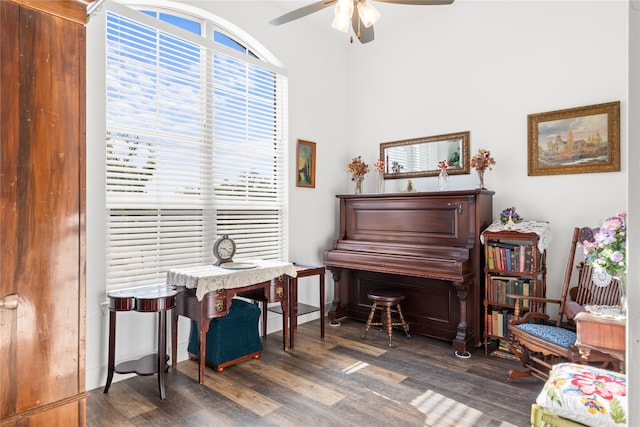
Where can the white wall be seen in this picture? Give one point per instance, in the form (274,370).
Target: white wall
(484,66)
(481,66)
(633,324)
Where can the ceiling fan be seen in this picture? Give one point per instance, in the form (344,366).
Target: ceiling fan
(359,13)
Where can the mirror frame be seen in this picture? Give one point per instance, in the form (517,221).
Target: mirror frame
(464,155)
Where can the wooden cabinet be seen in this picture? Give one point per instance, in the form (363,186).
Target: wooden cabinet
(515,263)
(42,183)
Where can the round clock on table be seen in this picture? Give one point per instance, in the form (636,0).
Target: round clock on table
(224,249)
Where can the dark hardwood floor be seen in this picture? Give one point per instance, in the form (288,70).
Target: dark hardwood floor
(340,381)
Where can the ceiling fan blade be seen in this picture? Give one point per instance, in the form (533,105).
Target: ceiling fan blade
(301,12)
(418,2)
(364,34)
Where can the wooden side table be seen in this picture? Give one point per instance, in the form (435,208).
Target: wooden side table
(298,309)
(146,299)
(597,332)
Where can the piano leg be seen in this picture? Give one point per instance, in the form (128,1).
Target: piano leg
(336,311)
(463,336)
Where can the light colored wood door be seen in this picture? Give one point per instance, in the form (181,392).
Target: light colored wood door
(42,217)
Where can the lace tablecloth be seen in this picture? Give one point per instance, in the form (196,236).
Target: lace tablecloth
(209,278)
(541,228)
(606,311)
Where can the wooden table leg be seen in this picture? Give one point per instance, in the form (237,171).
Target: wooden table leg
(293,310)
(203,328)
(321,275)
(174,338)
(284,303)
(112,349)
(162,351)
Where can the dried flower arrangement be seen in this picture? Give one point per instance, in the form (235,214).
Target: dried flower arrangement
(357,167)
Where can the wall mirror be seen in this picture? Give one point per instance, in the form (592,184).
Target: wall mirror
(419,157)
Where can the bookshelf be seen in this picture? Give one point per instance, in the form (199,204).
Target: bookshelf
(515,263)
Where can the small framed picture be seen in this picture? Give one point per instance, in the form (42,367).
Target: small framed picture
(577,140)
(306,164)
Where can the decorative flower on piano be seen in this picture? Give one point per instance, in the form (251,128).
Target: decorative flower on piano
(357,167)
(380,164)
(482,160)
(443,164)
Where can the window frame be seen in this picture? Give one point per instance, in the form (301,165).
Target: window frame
(119,271)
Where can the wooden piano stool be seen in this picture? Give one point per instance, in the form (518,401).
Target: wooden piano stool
(384,300)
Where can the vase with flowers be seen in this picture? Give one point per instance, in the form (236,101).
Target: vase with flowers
(509,218)
(380,165)
(357,168)
(482,161)
(443,177)
(607,252)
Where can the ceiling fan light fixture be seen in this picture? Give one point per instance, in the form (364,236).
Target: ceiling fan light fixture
(342,15)
(369,15)
(344,7)
(341,23)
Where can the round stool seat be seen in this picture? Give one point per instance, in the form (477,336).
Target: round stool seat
(386,296)
(385,299)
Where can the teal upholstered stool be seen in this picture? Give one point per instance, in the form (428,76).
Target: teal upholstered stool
(231,338)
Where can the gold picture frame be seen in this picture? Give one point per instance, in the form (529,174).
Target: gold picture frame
(576,140)
(306,164)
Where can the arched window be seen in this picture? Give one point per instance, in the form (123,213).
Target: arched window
(195,145)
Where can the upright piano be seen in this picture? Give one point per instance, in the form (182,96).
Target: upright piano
(428,245)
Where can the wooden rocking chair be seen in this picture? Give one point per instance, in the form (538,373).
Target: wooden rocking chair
(539,343)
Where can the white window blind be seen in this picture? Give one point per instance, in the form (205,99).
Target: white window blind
(195,148)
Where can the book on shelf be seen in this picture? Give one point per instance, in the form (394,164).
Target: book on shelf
(504,354)
(528,258)
(509,256)
(498,322)
(506,316)
(501,286)
(490,263)
(502,244)
(503,350)
(495,323)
